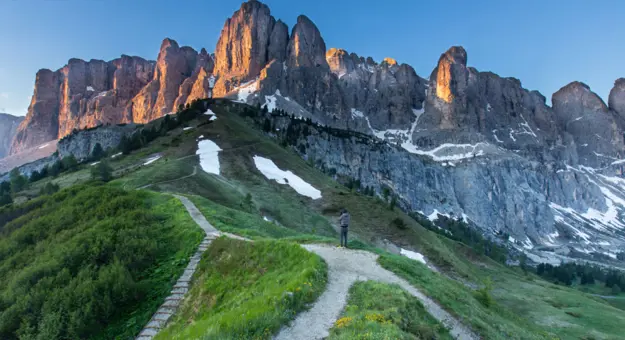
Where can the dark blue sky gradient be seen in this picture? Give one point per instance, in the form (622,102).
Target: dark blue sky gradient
(546,44)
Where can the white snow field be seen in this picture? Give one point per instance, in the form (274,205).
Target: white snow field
(268,168)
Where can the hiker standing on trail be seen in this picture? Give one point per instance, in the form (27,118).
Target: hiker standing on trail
(344,222)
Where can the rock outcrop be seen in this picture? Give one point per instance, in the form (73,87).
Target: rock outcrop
(174,66)
(596,130)
(85,94)
(8,128)
(616,101)
(243,47)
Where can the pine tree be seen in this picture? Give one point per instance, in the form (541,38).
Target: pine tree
(393,203)
(267,125)
(102,172)
(5,199)
(18,181)
(97,153)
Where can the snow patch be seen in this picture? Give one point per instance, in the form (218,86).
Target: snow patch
(96,163)
(209,156)
(187,128)
(43,146)
(449,152)
(434,215)
(526,128)
(246,90)
(443,153)
(101,94)
(413,255)
(212,115)
(89,88)
(270,102)
(116,155)
(527,244)
(152,159)
(358,114)
(496,138)
(270,170)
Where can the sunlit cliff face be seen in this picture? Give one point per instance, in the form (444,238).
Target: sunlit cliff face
(455,55)
(443,80)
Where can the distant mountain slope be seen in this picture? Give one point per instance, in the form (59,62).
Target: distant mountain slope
(8,128)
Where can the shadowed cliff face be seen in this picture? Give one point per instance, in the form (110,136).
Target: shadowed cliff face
(8,128)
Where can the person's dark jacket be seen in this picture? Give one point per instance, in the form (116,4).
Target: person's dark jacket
(344,219)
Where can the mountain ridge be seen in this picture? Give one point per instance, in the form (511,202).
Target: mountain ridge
(537,169)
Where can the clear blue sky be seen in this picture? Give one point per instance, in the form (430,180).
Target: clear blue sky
(546,44)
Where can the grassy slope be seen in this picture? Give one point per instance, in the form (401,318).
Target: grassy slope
(381,311)
(525,307)
(371,221)
(529,301)
(246,290)
(91,261)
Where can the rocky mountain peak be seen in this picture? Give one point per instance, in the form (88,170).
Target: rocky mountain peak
(340,62)
(455,55)
(278,42)
(389,61)
(450,74)
(576,99)
(616,101)
(306,47)
(243,46)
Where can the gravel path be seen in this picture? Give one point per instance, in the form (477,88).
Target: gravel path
(345,268)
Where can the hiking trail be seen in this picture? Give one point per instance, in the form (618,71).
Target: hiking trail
(346,267)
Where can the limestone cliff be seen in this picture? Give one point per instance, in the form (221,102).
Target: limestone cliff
(84,94)
(8,128)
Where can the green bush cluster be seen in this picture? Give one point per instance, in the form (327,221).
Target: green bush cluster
(73,263)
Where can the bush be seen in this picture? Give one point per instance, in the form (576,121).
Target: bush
(75,264)
(49,189)
(484,296)
(399,224)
